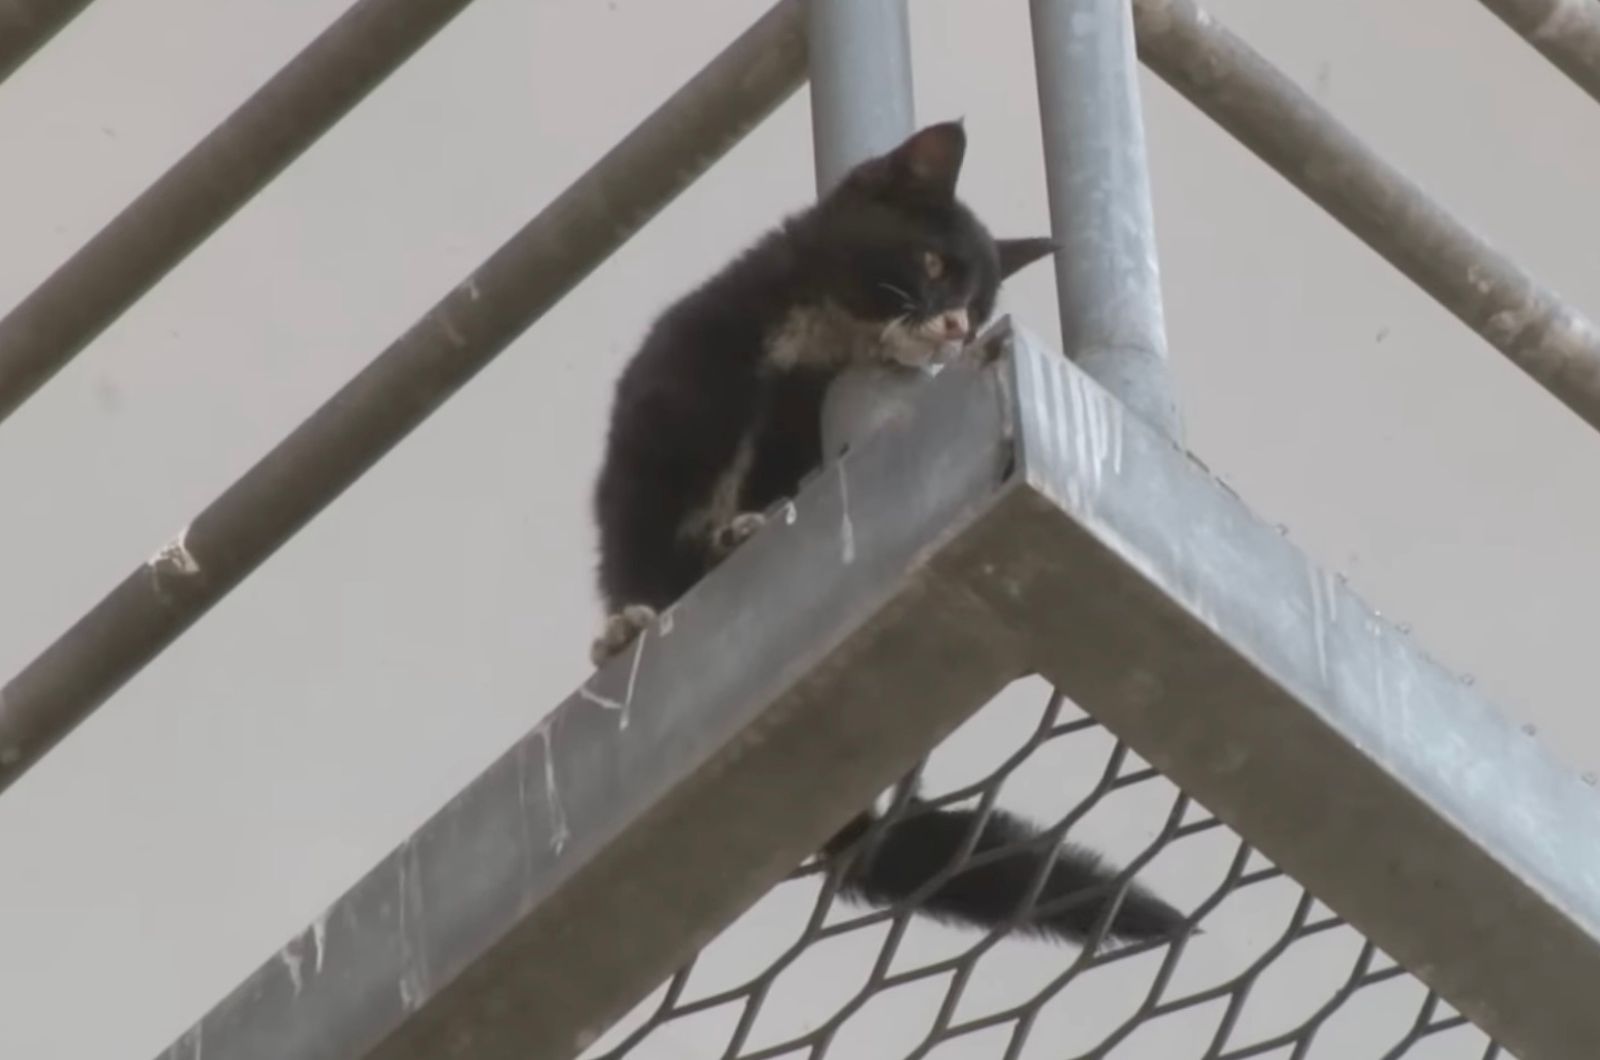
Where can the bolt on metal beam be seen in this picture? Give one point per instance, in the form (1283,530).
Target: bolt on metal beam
(27,25)
(1566,32)
(1108,282)
(1548,339)
(400,388)
(208,185)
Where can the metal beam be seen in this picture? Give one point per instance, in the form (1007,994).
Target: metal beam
(861,105)
(207,185)
(1567,32)
(399,389)
(1268,691)
(593,858)
(1553,342)
(27,25)
(1108,283)
(1021,519)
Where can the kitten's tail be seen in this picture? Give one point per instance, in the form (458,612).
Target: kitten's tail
(923,843)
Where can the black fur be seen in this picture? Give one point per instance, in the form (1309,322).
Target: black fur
(717,418)
(703,381)
(920,848)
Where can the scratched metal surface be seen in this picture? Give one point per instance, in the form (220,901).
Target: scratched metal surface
(592,857)
(1266,688)
(1017,521)
(1362,772)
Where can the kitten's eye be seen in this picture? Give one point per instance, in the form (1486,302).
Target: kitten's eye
(932,264)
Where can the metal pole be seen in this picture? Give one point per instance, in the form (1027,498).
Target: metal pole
(27,25)
(1554,343)
(860,66)
(861,105)
(1567,32)
(400,388)
(1107,280)
(208,185)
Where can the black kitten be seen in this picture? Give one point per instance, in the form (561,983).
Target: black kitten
(718,417)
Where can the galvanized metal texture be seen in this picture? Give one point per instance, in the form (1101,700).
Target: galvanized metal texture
(1108,282)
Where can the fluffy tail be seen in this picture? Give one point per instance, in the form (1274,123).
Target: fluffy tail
(924,843)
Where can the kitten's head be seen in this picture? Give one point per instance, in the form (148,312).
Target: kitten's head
(900,253)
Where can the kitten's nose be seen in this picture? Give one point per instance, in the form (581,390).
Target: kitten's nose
(953,324)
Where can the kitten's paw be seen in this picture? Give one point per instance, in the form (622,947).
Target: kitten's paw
(737,531)
(619,631)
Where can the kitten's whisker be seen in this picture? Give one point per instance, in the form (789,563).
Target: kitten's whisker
(906,301)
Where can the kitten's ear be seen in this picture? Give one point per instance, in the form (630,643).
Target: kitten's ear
(925,165)
(930,159)
(1019,253)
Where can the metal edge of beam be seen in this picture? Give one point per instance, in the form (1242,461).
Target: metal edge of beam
(209,184)
(1566,32)
(28,25)
(651,807)
(1263,109)
(399,389)
(1108,281)
(1270,692)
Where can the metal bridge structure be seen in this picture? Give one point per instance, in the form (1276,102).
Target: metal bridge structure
(1029,538)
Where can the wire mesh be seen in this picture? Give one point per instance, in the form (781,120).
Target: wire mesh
(1263,969)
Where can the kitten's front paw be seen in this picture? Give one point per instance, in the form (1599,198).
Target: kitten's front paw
(737,531)
(619,631)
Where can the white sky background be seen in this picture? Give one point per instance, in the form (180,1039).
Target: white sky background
(318,715)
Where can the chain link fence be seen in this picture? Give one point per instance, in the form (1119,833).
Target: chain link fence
(1264,970)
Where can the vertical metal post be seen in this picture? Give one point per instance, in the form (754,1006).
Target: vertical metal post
(860,65)
(860,60)
(1106,273)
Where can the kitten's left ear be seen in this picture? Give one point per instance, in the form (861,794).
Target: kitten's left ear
(925,166)
(1019,253)
(930,159)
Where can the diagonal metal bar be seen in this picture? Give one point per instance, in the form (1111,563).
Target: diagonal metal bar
(595,856)
(399,389)
(27,25)
(1551,341)
(1567,32)
(1268,691)
(208,185)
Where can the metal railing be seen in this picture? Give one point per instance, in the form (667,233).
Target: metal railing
(466,966)
(388,399)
